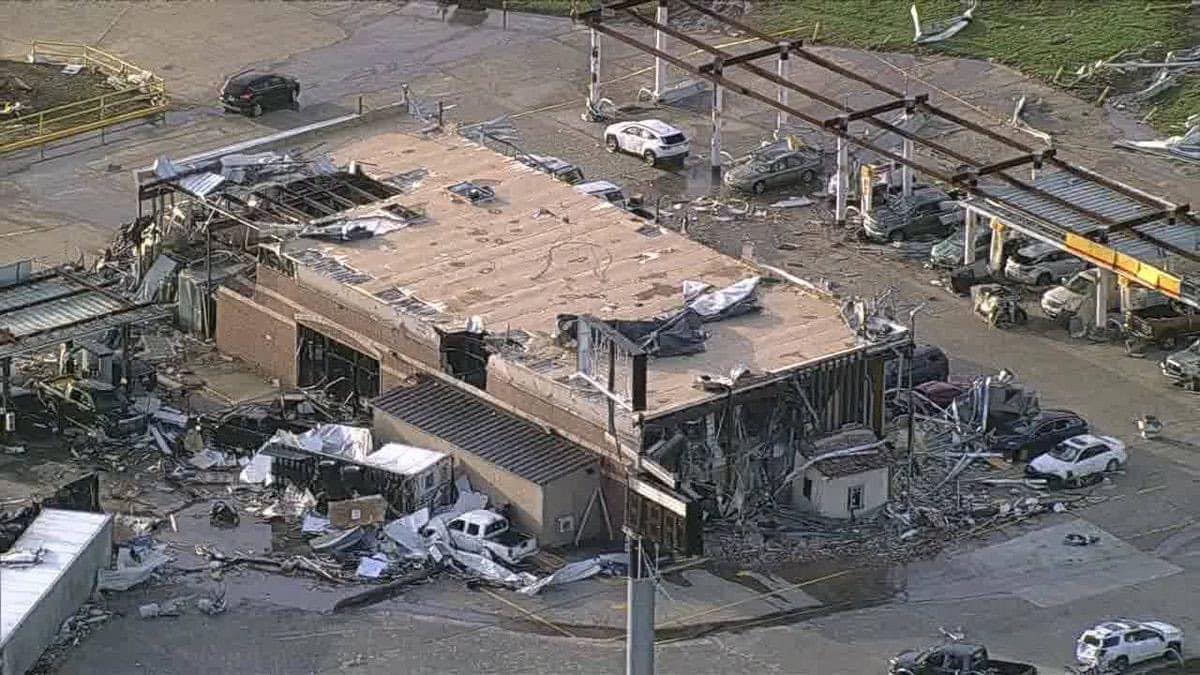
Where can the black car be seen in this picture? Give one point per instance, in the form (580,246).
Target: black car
(1025,439)
(253,93)
(929,364)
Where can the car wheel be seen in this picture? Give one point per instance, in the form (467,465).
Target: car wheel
(611,144)
(1168,344)
(1044,279)
(649,158)
(295,99)
(1121,664)
(1174,648)
(1112,466)
(256,111)
(897,235)
(759,187)
(807,176)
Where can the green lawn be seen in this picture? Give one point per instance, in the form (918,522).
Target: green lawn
(1034,36)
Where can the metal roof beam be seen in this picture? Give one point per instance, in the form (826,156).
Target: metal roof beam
(750,56)
(906,103)
(596,14)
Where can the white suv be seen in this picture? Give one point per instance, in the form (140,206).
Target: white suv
(1078,458)
(1122,643)
(1041,264)
(652,140)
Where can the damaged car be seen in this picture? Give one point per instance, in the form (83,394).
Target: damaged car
(774,169)
(1041,264)
(1027,438)
(949,252)
(928,212)
(1183,366)
(482,530)
(954,659)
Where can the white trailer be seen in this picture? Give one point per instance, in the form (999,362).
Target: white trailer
(35,600)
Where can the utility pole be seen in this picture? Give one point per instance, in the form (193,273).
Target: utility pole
(639,608)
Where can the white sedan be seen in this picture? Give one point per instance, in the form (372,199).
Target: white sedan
(1078,458)
(652,140)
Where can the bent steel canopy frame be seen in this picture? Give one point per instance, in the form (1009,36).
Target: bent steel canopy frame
(1113,228)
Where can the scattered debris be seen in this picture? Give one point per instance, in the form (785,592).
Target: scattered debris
(221,514)
(477,194)
(1185,147)
(1076,539)
(350,513)
(1018,122)
(936,31)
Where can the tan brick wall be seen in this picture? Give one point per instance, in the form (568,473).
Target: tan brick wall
(264,339)
(389,333)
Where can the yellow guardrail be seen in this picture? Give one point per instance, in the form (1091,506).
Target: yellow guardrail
(145,95)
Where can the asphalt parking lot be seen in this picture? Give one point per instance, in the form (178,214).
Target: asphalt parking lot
(1016,590)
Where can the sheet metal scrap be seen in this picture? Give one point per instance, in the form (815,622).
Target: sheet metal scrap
(936,31)
(1185,147)
(477,194)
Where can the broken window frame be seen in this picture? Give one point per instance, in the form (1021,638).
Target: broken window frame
(855,495)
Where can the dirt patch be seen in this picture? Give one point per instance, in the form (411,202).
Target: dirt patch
(41,86)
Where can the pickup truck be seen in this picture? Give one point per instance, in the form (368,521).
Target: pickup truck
(480,530)
(1162,325)
(954,659)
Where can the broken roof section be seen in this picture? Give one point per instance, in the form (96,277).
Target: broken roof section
(43,309)
(541,249)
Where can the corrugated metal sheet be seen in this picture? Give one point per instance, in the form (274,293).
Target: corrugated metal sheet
(38,290)
(1100,199)
(60,312)
(474,425)
(95,325)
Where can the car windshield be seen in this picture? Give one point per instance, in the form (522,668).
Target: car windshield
(1091,640)
(1065,452)
(672,139)
(1079,285)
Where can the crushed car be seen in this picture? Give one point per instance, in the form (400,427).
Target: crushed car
(948,253)
(1116,645)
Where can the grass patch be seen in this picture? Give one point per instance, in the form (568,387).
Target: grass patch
(1036,37)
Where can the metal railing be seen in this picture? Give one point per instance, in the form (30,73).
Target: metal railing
(145,95)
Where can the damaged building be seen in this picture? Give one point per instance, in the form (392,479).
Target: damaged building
(626,348)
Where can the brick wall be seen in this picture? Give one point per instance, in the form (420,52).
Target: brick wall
(262,338)
(391,333)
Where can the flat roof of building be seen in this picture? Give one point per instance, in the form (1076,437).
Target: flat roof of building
(64,535)
(540,249)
